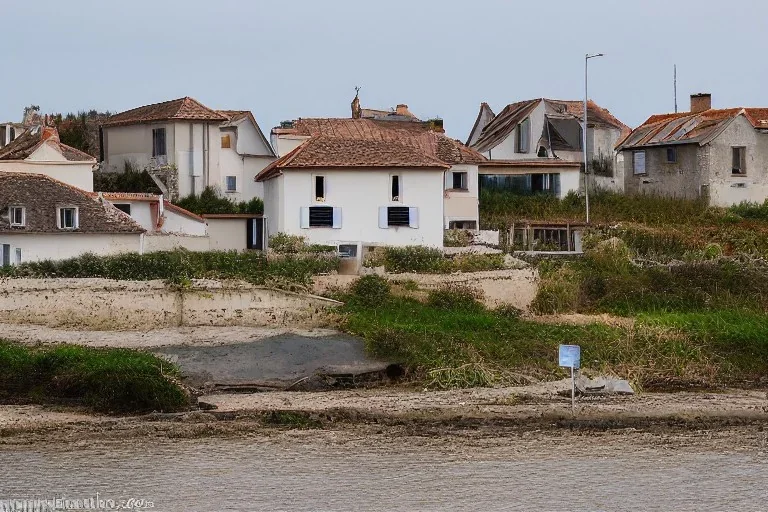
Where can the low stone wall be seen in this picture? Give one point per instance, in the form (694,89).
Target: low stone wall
(106,304)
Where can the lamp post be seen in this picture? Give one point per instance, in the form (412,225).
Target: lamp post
(584,130)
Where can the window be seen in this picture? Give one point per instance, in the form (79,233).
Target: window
(18,256)
(524,136)
(2,136)
(671,155)
(394,216)
(320,189)
(739,160)
(395,188)
(231,183)
(226,141)
(17,216)
(158,142)
(321,217)
(462,224)
(125,208)
(542,152)
(6,254)
(460,181)
(638,162)
(68,218)
(348,250)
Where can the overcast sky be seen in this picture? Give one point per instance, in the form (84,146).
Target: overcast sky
(303,58)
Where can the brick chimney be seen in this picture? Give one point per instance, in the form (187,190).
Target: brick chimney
(357,110)
(701,102)
(402,110)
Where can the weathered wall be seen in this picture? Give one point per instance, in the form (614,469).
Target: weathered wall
(142,305)
(681,179)
(726,188)
(59,246)
(77,174)
(462,205)
(228,234)
(172,241)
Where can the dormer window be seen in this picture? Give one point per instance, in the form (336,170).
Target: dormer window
(17,216)
(68,218)
(524,136)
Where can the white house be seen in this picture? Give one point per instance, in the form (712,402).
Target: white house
(42,218)
(535,146)
(356,193)
(188,147)
(39,150)
(460,181)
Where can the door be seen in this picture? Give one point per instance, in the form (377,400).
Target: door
(255,235)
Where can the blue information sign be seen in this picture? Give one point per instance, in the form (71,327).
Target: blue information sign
(570,356)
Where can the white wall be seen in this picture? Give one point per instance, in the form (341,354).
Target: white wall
(77,174)
(172,241)
(505,150)
(133,144)
(228,234)
(183,224)
(284,144)
(58,246)
(274,205)
(461,205)
(359,194)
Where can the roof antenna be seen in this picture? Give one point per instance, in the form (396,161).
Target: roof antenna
(675,80)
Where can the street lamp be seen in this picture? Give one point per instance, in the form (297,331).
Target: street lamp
(584,130)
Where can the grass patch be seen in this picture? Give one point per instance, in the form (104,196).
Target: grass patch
(428,260)
(105,380)
(181,266)
(448,346)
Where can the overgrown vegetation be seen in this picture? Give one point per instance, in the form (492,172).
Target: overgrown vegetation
(81,130)
(209,201)
(106,380)
(283,243)
(449,341)
(428,260)
(179,267)
(130,180)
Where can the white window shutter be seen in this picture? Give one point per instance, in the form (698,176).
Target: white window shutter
(448,180)
(336,218)
(383,224)
(413,217)
(304,216)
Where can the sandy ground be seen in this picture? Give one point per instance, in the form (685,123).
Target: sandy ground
(172,336)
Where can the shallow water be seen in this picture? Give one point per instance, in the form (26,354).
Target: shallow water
(251,475)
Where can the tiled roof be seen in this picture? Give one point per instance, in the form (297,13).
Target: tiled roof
(182,109)
(690,128)
(114,197)
(505,122)
(28,142)
(416,135)
(334,152)
(41,195)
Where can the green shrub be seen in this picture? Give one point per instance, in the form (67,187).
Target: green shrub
(748,210)
(457,238)
(180,266)
(371,291)
(283,243)
(107,380)
(455,297)
(210,202)
(414,259)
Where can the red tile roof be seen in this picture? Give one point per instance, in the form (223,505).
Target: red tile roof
(688,127)
(340,153)
(29,141)
(416,135)
(144,197)
(182,109)
(41,195)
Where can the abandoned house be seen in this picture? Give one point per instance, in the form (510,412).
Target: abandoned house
(535,147)
(720,155)
(187,147)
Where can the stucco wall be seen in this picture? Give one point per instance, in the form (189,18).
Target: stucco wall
(359,194)
(726,189)
(58,246)
(682,179)
(169,242)
(274,205)
(228,234)
(459,204)
(142,305)
(134,144)
(183,224)
(78,175)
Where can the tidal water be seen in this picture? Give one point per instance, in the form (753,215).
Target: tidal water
(250,475)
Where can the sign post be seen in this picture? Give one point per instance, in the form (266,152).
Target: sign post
(570,357)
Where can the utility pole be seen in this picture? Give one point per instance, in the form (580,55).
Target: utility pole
(584,130)
(675,78)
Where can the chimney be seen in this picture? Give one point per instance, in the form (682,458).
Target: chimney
(357,111)
(700,102)
(402,110)
(436,125)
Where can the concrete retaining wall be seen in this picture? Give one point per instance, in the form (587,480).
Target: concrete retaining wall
(106,304)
